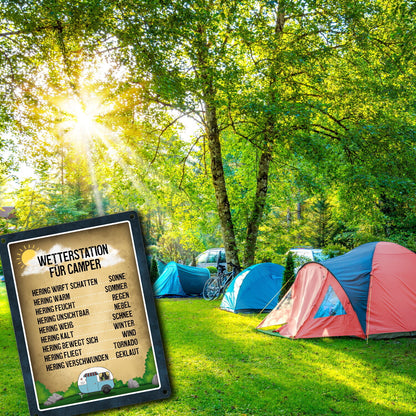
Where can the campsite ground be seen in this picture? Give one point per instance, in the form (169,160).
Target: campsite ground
(220,365)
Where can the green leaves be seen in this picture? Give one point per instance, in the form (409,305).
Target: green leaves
(326,90)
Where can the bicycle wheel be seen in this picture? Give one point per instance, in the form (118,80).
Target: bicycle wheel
(211,289)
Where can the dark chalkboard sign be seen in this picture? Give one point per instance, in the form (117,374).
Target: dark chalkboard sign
(84,316)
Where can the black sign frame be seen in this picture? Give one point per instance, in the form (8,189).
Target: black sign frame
(163,391)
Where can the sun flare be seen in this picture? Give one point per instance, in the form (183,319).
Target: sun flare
(82,129)
(81,123)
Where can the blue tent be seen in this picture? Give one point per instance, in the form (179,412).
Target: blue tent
(180,280)
(160,266)
(254,289)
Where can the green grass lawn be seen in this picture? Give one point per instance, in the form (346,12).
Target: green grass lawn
(220,365)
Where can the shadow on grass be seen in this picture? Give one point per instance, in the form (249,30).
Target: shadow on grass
(220,365)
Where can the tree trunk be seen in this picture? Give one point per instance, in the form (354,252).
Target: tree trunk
(218,180)
(299,210)
(258,207)
(214,145)
(265,159)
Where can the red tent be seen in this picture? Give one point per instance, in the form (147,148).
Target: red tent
(367,292)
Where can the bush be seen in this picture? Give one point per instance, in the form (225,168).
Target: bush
(73,390)
(42,392)
(150,369)
(334,250)
(172,249)
(288,275)
(154,271)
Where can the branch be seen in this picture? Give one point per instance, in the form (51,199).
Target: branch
(334,134)
(185,159)
(333,118)
(160,136)
(17,32)
(351,154)
(28,32)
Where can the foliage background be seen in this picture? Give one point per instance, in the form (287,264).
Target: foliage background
(257,126)
(253,125)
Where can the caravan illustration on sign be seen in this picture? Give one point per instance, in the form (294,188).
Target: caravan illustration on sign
(95,379)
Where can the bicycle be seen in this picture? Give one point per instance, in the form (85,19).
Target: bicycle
(215,286)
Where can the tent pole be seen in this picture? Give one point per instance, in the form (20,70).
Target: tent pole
(271,300)
(367,325)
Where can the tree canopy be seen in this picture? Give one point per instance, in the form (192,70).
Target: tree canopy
(302,115)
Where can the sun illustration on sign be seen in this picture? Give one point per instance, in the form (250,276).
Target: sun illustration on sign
(26,254)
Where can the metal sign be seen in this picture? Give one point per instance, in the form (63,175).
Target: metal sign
(84,316)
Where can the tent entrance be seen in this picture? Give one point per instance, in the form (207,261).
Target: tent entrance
(330,306)
(278,316)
